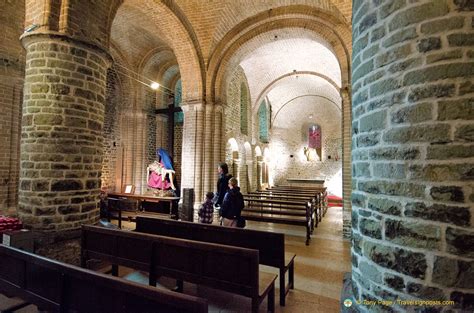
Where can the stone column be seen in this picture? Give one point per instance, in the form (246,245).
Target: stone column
(346,163)
(198,166)
(140,156)
(413,152)
(61,145)
(259,172)
(208,150)
(192,148)
(236,169)
(217,142)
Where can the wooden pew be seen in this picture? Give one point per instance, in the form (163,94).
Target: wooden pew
(286,201)
(58,287)
(221,267)
(282,212)
(314,198)
(270,246)
(310,191)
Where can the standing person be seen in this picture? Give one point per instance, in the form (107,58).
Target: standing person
(206,210)
(222,183)
(232,205)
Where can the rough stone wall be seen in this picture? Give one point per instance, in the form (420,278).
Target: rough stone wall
(12,61)
(232,126)
(62,139)
(413,152)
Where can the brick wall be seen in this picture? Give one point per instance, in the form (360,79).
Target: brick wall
(12,60)
(413,200)
(232,125)
(112,139)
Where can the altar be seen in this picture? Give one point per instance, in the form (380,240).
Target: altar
(118,197)
(305,182)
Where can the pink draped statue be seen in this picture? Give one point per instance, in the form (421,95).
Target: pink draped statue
(156,178)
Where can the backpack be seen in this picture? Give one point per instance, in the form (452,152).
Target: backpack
(241,223)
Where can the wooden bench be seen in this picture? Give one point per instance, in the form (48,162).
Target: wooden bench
(285,201)
(58,287)
(273,211)
(320,192)
(231,269)
(270,246)
(314,198)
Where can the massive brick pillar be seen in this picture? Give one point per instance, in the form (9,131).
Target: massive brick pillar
(12,14)
(346,162)
(208,150)
(413,200)
(191,160)
(259,172)
(217,142)
(62,139)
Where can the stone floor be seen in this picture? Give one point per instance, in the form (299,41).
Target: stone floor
(319,270)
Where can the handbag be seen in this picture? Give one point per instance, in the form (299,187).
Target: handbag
(241,222)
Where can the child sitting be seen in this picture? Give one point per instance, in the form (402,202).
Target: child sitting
(206,210)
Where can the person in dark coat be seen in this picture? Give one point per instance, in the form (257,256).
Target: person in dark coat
(232,205)
(222,184)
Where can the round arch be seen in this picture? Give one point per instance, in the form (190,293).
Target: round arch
(326,26)
(304,96)
(178,34)
(267,88)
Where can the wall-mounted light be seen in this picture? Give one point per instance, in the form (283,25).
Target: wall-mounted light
(154,85)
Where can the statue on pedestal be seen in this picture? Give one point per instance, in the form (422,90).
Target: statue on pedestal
(160,172)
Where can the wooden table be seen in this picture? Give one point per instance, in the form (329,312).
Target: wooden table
(141,199)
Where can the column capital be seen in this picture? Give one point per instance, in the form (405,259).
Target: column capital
(28,39)
(199,107)
(218,108)
(193,105)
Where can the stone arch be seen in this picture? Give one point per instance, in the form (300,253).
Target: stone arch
(232,16)
(267,88)
(177,32)
(303,96)
(258,151)
(327,26)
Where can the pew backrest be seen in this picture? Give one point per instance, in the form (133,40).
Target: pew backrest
(218,266)
(58,287)
(271,246)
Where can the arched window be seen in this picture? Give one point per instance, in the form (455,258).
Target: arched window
(178,116)
(244,99)
(263,122)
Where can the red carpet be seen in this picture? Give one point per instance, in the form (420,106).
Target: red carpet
(334,200)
